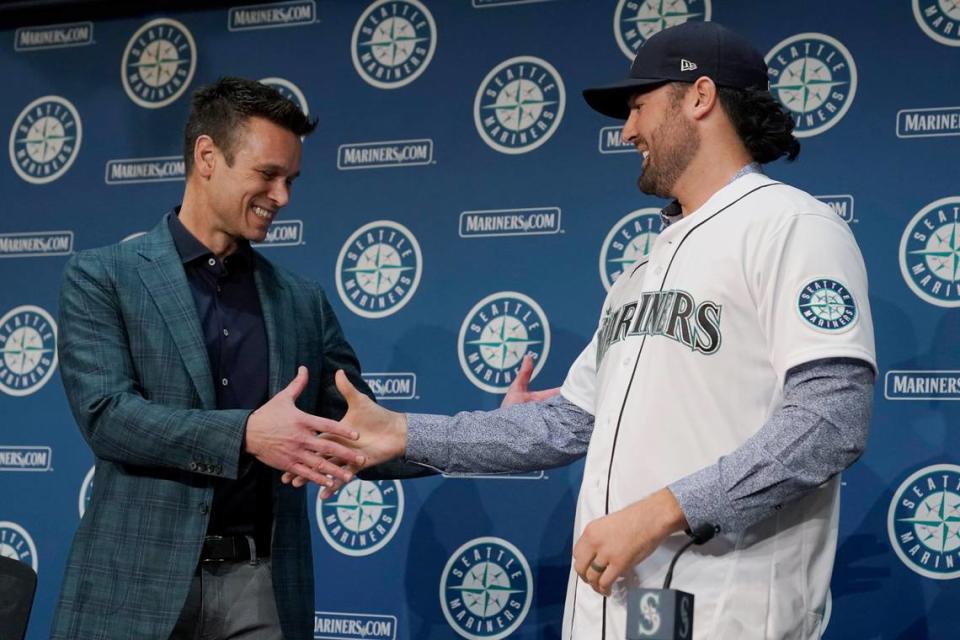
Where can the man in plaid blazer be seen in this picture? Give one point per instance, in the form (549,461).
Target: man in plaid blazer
(177,352)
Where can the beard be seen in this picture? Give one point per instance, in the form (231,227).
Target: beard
(674,144)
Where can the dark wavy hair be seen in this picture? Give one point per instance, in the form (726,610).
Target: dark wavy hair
(763,124)
(220,110)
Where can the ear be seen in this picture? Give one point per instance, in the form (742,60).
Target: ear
(205,154)
(702,98)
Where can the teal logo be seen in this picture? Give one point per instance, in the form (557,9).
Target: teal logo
(628,243)
(496,334)
(378,269)
(939,19)
(815,78)
(486,589)
(289,91)
(930,253)
(28,346)
(635,21)
(826,304)
(86,492)
(158,63)
(923,522)
(16,543)
(519,105)
(45,139)
(363,517)
(393,43)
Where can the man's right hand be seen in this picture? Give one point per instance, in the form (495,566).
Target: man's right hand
(282,436)
(382,433)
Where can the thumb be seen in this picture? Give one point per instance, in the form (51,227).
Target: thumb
(346,388)
(298,384)
(522,381)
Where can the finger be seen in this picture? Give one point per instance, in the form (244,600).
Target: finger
(299,482)
(287,477)
(307,472)
(582,556)
(347,390)
(326,425)
(298,384)
(525,373)
(606,579)
(593,575)
(335,451)
(325,467)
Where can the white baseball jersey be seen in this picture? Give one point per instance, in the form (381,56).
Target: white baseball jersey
(688,362)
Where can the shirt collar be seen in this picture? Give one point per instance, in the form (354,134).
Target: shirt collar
(673,213)
(191,249)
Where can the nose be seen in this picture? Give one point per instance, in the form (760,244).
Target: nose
(280,192)
(630,130)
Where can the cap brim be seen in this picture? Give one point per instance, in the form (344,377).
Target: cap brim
(612,99)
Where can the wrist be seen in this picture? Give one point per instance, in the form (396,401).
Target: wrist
(401,429)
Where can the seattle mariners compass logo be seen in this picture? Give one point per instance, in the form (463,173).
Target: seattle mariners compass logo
(519,105)
(45,139)
(28,345)
(636,20)
(496,334)
(930,253)
(628,242)
(363,517)
(939,19)
(486,589)
(379,269)
(16,543)
(158,63)
(815,77)
(393,43)
(924,522)
(826,304)
(289,91)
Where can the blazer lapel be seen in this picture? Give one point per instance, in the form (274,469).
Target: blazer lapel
(166,283)
(279,325)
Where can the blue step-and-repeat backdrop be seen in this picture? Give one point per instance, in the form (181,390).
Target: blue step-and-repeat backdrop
(454,131)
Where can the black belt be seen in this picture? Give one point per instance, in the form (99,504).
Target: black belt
(231,549)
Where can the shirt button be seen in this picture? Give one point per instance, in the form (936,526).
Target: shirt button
(204,508)
(212,262)
(658,270)
(224,382)
(226,332)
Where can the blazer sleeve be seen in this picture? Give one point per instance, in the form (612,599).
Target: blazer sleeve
(107,401)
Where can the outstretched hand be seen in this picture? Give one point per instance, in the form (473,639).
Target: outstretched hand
(519,391)
(382,435)
(282,436)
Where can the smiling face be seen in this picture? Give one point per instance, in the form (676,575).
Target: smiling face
(245,195)
(666,137)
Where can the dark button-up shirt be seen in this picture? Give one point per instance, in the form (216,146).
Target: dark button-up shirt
(231,320)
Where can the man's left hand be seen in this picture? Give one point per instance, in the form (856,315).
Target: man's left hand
(610,546)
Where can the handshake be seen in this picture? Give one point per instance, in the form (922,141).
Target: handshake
(309,448)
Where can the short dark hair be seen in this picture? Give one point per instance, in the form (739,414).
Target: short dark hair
(221,109)
(763,124)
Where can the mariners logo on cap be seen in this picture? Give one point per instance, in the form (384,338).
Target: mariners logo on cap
(923,522)
(158,63)
(486,589)
(939,19)
(815,77)
(635,21)
(519,105)
(289,91)
(45,139)
(28,346)
(930,253)
(628,243)
(496,334)
(86,491)
(379,269)
(826,304)
(393,43)
(16,543)
(363,517)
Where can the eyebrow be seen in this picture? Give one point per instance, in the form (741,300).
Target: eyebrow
(275,168)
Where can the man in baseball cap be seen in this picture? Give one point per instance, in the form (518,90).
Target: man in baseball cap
(728,383)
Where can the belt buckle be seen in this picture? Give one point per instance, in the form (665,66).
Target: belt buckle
(212,539)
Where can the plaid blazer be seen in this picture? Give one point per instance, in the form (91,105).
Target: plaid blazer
(137,376)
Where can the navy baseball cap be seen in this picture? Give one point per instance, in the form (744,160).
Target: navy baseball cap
(682,54)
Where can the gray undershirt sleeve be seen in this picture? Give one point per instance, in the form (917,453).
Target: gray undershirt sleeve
(522,437)
(820,429)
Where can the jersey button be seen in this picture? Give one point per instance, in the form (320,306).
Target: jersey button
(658,270)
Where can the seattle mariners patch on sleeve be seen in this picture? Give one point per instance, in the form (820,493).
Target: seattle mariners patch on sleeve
(825,304)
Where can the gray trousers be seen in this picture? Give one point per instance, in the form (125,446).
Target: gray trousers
(230,601)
